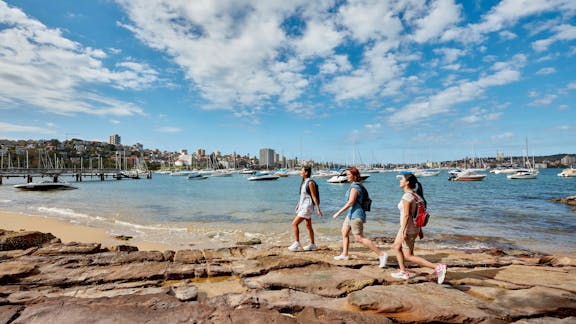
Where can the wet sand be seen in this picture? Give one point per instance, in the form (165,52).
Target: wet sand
(69,232)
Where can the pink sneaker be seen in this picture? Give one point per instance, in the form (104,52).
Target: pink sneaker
(401,275)
(441,272)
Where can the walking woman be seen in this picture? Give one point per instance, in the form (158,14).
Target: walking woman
(406,237)
(355,219)
(309,197)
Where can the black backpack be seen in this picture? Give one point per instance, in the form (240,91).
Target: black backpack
(317,191)
(366,202)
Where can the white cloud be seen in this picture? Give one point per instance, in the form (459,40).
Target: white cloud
(545,101)
(562,33)
(502,136)
(504,14)
(371,19)
(507,35)
(450,54)
(12,128)
(40,67)
(546,71)
(443,101)
(169,129)
(441,15)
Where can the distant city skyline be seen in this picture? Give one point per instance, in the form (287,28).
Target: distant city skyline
(347,81)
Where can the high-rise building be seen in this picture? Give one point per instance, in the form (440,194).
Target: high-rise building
(267,157)
(115,139)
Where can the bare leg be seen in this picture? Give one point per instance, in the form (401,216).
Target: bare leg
(297,220)
(368,243)
(409,255)
(399,254)
(345,239)
(310,229)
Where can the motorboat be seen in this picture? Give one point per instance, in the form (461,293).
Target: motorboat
(342,178)
(505,170)
(222,173)
(181,173)
(45,186)
(570,172)
(524,174)
(528,171)
(325,173)
(466,175)
(261,176)
(247,171)
(281,173)
(426,173)
(197,176)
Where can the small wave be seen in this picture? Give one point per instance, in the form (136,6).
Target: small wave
(150,227)
(67,213)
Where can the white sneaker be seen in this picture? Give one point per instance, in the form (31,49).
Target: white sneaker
(294,247)
(441,272)
(341,257)
(401,275)
(311,247)
(383,260)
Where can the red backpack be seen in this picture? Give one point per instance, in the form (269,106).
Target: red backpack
(421,216)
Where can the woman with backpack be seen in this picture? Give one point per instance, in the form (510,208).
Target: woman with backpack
(355,219)
(406,237)
(309,197)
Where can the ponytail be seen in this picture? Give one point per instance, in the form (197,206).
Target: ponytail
(420,192)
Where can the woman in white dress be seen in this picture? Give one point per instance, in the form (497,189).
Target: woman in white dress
(305,210)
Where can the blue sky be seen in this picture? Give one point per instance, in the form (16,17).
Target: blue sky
(343,81)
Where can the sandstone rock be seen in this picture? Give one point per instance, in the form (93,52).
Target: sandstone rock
(556,261)
(23,240)
(425,302)
(186,293)
(253,241)
(159,308)
(123,248)
(318,315)
(547,320)
(262,265)
(533,301)
(56,283)
(189,256)
(9,312)
(10,271)
(539,276)
(68,248)
(322,280)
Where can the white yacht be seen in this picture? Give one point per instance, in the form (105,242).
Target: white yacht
(260,176)
(524,174)
(570,172)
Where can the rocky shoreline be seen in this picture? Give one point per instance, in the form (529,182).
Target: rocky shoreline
(45,281)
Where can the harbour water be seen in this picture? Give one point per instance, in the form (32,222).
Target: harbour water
(219,211)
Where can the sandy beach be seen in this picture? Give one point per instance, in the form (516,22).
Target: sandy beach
(69,232)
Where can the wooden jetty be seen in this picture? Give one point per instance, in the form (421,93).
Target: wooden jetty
(79,174)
